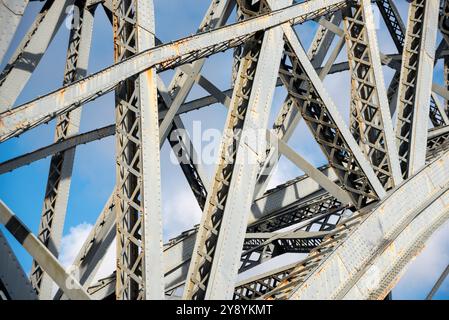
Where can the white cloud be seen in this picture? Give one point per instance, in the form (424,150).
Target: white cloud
(72,243)
(283,172)
(108,265)
(180,213)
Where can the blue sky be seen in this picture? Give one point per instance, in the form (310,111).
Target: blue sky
(94,169)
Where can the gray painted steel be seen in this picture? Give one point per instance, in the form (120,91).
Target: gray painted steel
(347,221)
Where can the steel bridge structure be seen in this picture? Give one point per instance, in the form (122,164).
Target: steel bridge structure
(358,220)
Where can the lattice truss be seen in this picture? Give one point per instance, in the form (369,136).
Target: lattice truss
(351,225)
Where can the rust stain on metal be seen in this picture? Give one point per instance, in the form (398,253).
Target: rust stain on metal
(149,74)
(176,45)
(82,86)
(61,94)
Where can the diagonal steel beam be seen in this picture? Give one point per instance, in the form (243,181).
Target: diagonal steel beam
(393,21)
(437,113)
(57,147)
(280,208)
(96,134)
(184,150)
(439,282)
(100,133)
(90,136)
(172,98)
(139,226)
(279,147)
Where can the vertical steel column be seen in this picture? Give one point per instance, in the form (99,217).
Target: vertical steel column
(139,226)
(415,85)
(370,119)
(61,164)
(216,257)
